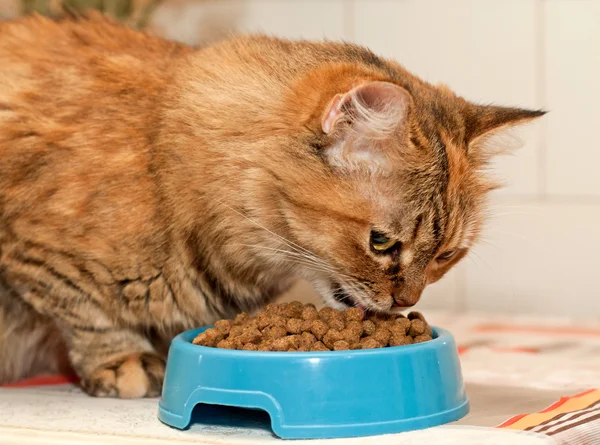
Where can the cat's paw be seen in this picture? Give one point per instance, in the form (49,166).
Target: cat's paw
(130,377)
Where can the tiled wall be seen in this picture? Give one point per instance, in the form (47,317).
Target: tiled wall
(541,252)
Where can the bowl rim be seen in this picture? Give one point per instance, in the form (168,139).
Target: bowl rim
(183,342)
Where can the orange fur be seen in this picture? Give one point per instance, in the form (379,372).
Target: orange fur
(146,186)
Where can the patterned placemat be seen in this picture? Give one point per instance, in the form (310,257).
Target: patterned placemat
(545,367)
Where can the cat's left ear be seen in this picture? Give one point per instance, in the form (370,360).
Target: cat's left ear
(487,127)
(362,120)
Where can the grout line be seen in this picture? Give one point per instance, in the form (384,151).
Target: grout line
(348,17)
(540,93)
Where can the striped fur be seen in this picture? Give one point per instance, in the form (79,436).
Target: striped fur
(147,187)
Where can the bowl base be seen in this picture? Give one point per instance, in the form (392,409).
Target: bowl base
(230,416)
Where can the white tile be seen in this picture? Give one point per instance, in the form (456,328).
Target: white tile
(483,49)
(537,259)
(195,22)
(9,9)
(307,19)
(572,42)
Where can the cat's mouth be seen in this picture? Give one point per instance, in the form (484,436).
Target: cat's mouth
(341,296)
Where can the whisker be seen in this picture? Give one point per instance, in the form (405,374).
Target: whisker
(481,259)
(290,243)
(310,258)
(485,241)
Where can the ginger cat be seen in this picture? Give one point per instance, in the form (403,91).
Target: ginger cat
(147,187)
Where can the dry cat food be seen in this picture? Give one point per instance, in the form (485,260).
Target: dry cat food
(297,327)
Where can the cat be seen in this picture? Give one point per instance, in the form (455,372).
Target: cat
(147,187)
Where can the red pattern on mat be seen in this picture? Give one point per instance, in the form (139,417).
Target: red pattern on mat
(564,400)
(512,420)
(43,380)
(537,330)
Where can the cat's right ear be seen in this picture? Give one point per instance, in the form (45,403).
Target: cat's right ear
(374,108)
(362,120)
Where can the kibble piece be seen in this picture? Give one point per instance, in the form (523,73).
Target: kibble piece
(280,309)
(319,328)
(250,335)
(251,323)
(414,315)
(331,337)
(274,332)
(379,319)
(325,313)
(240,318)
(250,347)
(417,327)
(294,326)
(274,309)
(337,321)
(341,345)
(356,327)
(281,344)
(397,329)
(307,340)
(350,336)
(403,322)
(278,320)
(236,331)
(262,320)
(266,345)
(306,325)
(421,338)
(369,327)
(236,342)
(400,340)
(382,334)
(202,340)
(318,346)
(210,337)
(293,310)
(369,343)
(223,326)
(226,344)
(310,313)
(295,341)
(354,314)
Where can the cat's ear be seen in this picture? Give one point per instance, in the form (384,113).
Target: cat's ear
(362,120)
(488,128)
(375,108)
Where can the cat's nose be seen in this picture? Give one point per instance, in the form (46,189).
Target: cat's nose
(405,297)
(402,302)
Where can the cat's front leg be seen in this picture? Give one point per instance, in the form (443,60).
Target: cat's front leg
(116,362)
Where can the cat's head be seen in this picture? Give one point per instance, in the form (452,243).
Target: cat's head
(390,191)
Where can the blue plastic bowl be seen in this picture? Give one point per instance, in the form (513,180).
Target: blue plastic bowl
(320,394)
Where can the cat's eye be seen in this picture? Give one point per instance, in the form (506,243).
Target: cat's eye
(382,243)
(445,256)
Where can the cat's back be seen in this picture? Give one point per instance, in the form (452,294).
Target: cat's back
(56,75)
(79,101)
(39,40)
